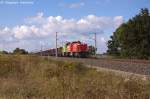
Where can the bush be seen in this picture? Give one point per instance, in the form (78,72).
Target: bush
(20,51)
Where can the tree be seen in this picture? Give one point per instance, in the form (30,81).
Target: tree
(132,39)
(20,51)
(113,46)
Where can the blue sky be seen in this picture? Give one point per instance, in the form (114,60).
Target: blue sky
(13,15)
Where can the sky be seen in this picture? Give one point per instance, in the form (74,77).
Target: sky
(32,24)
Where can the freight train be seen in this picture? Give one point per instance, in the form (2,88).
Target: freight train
(70,49)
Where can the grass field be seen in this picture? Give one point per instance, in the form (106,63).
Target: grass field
(33,77)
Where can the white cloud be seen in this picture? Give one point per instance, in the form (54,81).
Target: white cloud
(38,19)
(6,35)
(24,31)
(118,20)
(72,5)
(77,5)
(40,28)
(103,40)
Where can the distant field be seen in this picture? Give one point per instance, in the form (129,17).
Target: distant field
(34,77)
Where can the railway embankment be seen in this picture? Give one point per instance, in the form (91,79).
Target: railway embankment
(133,67)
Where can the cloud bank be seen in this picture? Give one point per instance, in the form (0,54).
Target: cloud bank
(40,28)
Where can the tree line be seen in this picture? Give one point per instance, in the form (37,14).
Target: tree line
(132,39)
(16,51)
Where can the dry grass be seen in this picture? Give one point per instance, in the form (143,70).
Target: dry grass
(33,77)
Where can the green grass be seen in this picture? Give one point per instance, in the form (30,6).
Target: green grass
(33,77)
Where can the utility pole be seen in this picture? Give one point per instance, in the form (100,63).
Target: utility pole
(41,49)
(95,39)
(56,46)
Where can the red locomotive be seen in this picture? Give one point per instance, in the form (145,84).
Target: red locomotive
(75,49)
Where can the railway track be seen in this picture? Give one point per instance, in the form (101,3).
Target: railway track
(141,67)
